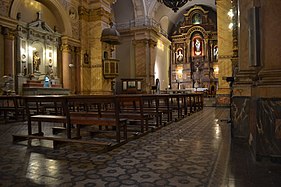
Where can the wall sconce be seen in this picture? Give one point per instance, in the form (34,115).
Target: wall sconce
(230,26)
(230,13)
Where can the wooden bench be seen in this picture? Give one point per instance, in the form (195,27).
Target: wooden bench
(11,105)
(68,106)
(151,106)
(131,107)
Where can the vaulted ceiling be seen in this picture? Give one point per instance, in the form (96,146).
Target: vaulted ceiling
(126,11)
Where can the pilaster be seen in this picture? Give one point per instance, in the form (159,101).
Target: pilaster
(66,61)
(225,49)
(145,61)
(8,52)
(94,19)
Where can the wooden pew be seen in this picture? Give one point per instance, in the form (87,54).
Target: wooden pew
(131,108)
(99,110)
(151,107)
(69,115)
(11,104)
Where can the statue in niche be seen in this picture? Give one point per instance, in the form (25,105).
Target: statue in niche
(51,72)
(36,61)
(179,56)
(86,58)
(157,86)
(197,46)
(216,52)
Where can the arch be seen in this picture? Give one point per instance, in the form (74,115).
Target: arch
(197,29)
(57,9)
(140,8)
(164,23)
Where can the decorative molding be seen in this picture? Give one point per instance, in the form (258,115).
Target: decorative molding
(269,77)
(225,56)
(98,14)
(8,22)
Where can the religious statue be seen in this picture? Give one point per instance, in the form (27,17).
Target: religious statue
(86,58)
(197,46)
(157,86)
(216,53)
(51,72)
(36,61)
(179,56)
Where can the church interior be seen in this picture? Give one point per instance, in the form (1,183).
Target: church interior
(217,49)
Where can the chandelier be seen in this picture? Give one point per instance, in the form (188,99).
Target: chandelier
(174,4)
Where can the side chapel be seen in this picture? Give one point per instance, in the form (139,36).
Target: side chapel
(195,51)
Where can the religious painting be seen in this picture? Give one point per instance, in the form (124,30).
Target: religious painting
(197,18)
(197,46)
(179,55)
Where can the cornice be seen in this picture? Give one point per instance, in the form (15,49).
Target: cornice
(99,14)
(8,22)
(269,77)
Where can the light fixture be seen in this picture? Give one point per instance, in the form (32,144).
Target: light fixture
(230,13)
(174,4)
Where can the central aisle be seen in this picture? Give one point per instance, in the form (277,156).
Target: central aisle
(191,152)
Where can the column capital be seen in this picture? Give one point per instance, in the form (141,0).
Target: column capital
(8,34)
(99,14)
(66,48)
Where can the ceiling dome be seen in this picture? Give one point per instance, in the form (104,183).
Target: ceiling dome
(110,35)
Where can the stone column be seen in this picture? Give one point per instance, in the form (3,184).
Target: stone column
(8,52)
(99,19)
(77,86)
(145,61)
(151,45)
(225,52)
(141,61)
(66,61)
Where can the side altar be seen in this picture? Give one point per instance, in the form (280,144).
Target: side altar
(37,87)
(39,67)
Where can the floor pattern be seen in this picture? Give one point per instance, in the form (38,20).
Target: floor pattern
(191,152)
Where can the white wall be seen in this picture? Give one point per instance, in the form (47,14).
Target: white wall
(162,62)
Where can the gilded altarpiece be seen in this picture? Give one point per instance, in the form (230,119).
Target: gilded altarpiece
(194,51)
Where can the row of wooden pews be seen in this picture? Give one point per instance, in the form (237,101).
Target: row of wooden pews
(127,116)
(11,108)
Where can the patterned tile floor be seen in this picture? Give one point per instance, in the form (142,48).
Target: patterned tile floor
(191,152)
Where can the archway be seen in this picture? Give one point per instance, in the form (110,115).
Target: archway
(57,10)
